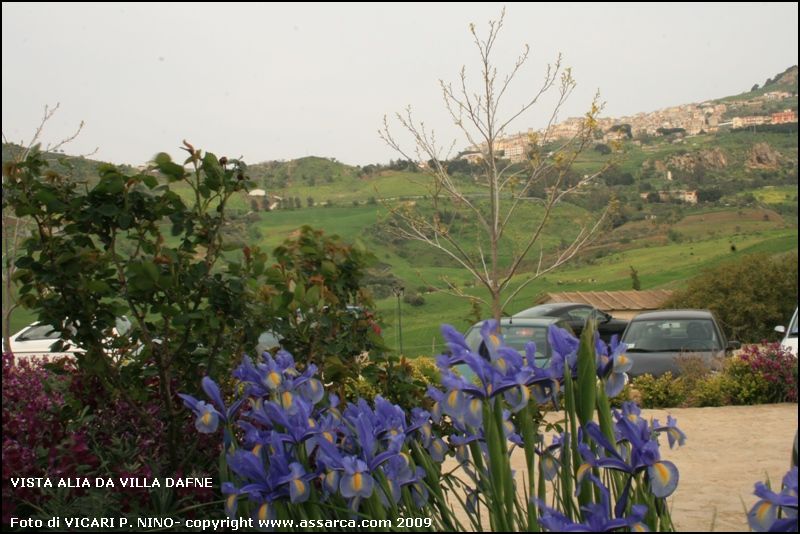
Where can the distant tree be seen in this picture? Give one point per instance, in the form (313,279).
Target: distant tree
(254,204)
(754,88)
(653,197)
(749,295)
(635,282)
(371,201)
(477,113)
(602,148)
(709,195)
(310,202)
(297,203)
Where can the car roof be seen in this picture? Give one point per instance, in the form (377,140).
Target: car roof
(552,306)
(523,321)
(673,314)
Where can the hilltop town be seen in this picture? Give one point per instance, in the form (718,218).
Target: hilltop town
(775,103)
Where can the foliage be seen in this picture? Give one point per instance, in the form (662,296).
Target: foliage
(58,423)
(665,391)
(317,306)
(749,296)
(762,374)
(293,452)
(130,245)
(759,374)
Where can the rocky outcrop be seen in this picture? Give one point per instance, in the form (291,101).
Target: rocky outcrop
(708,159)
(763,156)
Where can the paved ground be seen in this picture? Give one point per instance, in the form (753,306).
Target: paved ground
(728,449)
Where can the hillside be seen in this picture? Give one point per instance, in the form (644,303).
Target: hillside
(744,182)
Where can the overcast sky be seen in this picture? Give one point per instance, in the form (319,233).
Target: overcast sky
(282,81)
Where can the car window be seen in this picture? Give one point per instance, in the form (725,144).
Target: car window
(793,325)
(670,335)
(39,331)
(579,314)
(518,336)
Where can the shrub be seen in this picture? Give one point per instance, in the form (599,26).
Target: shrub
(772,373)
(749,296)
(58,422)
(662,392)
(710,391)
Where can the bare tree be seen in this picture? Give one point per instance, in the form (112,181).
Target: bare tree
(15,228)
(546,165)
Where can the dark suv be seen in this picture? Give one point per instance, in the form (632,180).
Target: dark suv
(657,339)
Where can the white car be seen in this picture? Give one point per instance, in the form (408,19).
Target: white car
(36,340)
(789,341)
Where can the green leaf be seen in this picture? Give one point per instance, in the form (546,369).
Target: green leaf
(587,375)
(213,170)
(164,164)
(109,210)
(312,295)
(149,180)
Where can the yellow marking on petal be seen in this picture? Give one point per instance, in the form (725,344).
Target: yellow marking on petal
(501,364)
(327,435)
(639,527)
(489,389)
(633,417)
(358,482)
(438,446)
(275,378)
(262,512)
(663,473)
(393,432)
(763,509)
(452,399)
(311,423)
(257,450)
(494,339)
(475,406)
(206,418)
(622,359)
(287,398)
(299,485)
(230,501)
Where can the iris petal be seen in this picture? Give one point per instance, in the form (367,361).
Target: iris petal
(663,478)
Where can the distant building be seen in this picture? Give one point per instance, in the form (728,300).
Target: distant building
(257,193)
(754,120)
(784,117)
(776,95)
(620,304)
(472,157)
(688,196)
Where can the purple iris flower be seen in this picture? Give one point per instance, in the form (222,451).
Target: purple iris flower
(674,434)
(208,416)
(763,517)
(297,480)
(356,480)
(612,364)
(644,455)
(565,350)
(597,516)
